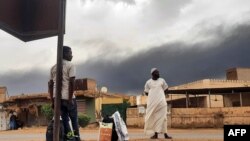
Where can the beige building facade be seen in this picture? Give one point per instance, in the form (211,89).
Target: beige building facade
(217,93)
(203,103)
(232,99)
(238,74)
(3,93)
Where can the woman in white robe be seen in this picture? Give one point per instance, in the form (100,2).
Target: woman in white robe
(156,112)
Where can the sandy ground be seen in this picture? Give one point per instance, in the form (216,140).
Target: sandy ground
(135,134)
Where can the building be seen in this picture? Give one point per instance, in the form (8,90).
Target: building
(204,103)
(232,92)
(90,101)
(3,94)
(211,93)
(3,114)
(238,74)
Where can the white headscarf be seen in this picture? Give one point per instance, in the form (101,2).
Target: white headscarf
(153,69)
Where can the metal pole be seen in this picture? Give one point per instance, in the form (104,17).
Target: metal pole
(223,97)
(196,98)
(209,95)
(171,100)
(57,112)
(187,100)
(240,99)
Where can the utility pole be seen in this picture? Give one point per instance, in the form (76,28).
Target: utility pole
(61,28)
(28,26)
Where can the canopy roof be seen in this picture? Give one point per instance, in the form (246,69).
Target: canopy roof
(212,86)
(211,90)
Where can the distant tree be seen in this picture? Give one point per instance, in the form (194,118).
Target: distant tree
(47,111)
(83,120)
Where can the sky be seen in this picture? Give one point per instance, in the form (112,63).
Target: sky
(117,42)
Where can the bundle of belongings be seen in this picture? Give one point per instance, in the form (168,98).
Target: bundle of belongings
(113,128)
(62,136)
(49,131)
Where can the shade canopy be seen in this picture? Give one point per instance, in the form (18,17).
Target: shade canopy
(210,90)
(29,19)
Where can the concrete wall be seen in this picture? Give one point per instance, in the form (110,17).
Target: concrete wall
(4,120)
(85,84)
(215,100)
(2,94)
(238,74)
(136,119)
(196,117)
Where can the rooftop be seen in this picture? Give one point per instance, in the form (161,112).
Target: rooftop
(211,86)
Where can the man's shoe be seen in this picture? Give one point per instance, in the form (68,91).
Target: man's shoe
(167,136)
(155,136)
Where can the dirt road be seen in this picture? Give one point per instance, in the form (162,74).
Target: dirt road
(38,134)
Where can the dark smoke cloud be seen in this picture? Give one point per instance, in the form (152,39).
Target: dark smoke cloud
(34,81)
(178,63)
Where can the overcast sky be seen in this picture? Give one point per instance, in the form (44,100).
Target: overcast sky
(117,42)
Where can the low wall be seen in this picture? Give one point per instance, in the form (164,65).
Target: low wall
(135,119)
(196,117)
